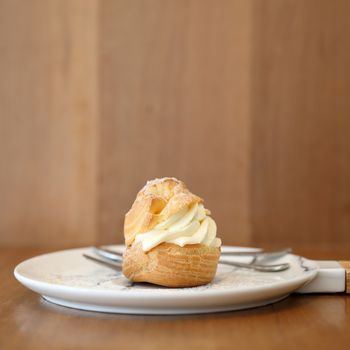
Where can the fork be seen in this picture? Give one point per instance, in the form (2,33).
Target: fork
(116,259)
(273,254)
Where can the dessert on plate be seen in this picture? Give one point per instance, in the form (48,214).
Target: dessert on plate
(169,236)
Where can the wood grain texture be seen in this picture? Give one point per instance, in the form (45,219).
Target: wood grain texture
(174,77)
(247,102)
(301,121)
(48,122)
(298,322)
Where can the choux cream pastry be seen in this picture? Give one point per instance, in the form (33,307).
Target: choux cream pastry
(170,237)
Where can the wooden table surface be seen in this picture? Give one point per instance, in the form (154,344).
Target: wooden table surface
(298,322)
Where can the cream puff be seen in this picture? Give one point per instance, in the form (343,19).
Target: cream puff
(170,237)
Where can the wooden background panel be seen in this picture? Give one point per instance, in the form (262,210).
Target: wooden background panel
(48,122)
(174,101)
(301,121)
(247,102)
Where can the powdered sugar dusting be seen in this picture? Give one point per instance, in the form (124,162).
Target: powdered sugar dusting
(158,181)
(226,278)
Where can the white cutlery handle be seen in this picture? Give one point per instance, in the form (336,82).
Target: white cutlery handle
(333,277)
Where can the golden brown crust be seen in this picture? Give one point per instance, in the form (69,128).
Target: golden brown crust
(156,202)
(171,265)
(166,264)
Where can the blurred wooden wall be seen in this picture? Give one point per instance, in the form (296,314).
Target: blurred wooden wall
(246,101)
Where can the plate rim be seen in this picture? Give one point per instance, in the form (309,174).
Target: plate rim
(161,293)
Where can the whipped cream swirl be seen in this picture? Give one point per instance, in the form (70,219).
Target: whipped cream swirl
(189,226)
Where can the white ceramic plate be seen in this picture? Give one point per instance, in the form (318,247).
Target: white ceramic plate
(68,279)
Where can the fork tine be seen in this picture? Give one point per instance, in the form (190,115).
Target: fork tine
(260,253)
(108,254)
(107,250)
(111,265)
